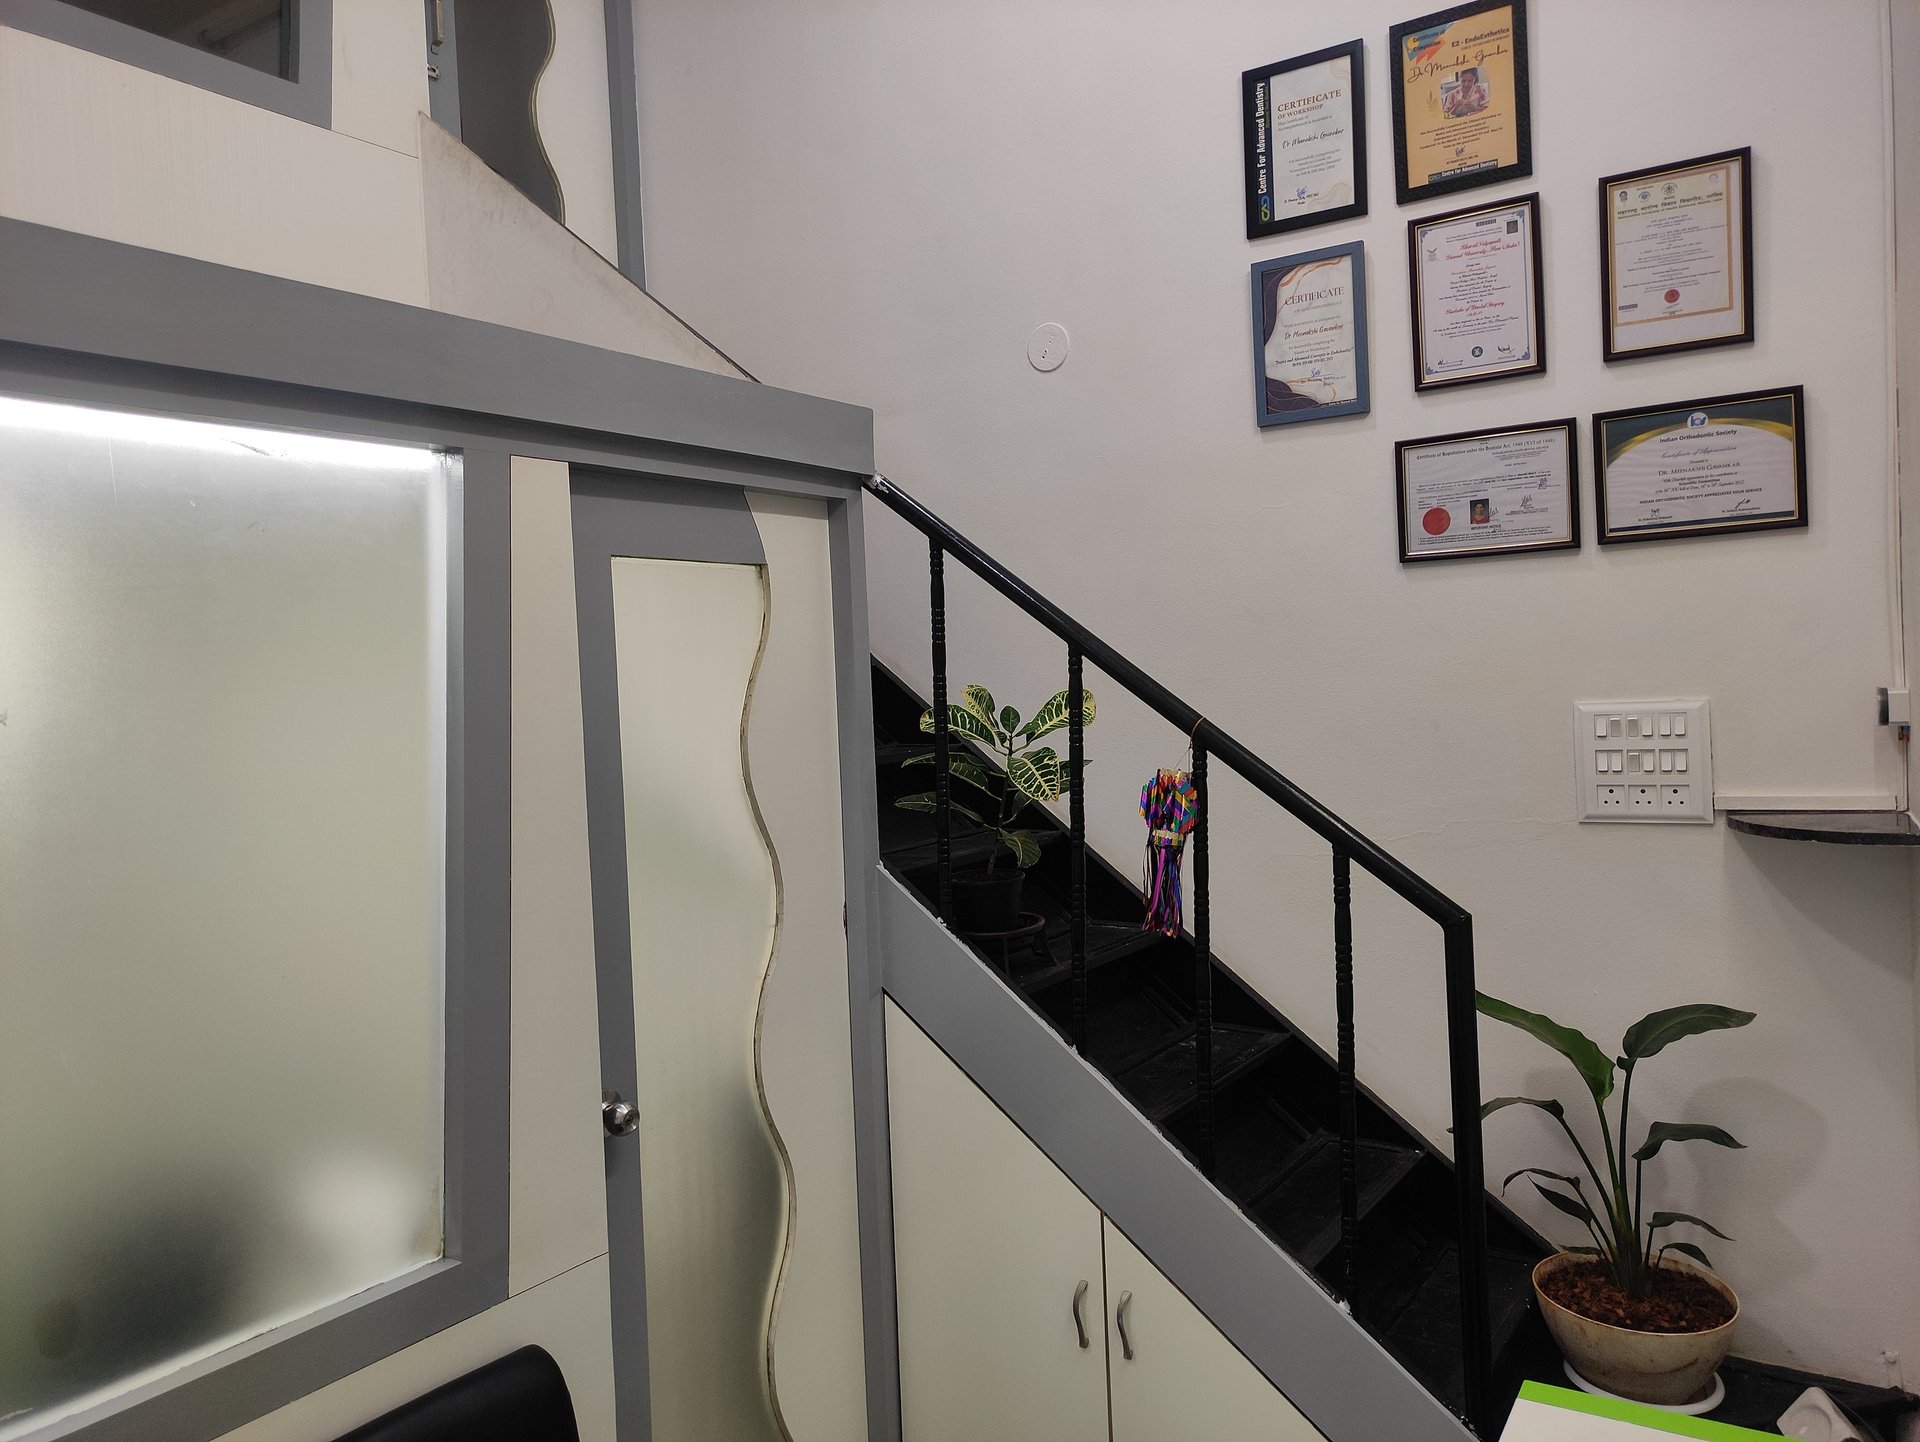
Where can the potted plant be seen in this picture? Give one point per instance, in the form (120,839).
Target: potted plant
(1630,1315)
(988,900)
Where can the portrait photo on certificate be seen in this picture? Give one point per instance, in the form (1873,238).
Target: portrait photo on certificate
(1461,113)
(1306,140)
(1702,468)
(1478,304)
(1310,335)
(1494,492)
(1676,256)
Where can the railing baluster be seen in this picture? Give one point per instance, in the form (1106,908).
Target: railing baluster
(1077,850)
(942,733)
(1203,960)
(1463,1047)
(1343,1030)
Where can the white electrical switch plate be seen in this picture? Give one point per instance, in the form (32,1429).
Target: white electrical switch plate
(1671,782)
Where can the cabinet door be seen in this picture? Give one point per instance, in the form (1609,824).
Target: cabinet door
(991,1243)
(1184,1378)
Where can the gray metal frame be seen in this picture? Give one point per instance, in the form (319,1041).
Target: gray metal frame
(1277,1314)
(100,323)
(629,515)
(623,111)
(307,96)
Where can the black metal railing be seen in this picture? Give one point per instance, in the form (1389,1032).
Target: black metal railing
(1349,849)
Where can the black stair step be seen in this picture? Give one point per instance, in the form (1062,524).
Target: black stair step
(1168,1080)
(1126,1026)
(1300,1209)
(1107,943)
(1255,1139)
(1420,1320)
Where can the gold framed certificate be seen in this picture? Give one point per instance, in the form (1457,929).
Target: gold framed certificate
(1478,301)
(1494,492)
(1461,108)
(1702,468)
(1306,140)
(1676,256)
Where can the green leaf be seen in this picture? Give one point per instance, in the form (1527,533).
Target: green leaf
(963,723)
(1660,1133)
(1053,715)
(1592,1063)
(1582,1251)
(961,765)
(1573,1182)
(1647,1036)
(1025,849)
(1687,1249)
(927,801)
(1550,1105)
(1009,719)
(1036,780)
(1572,1206)
(979,700)
(1668,1219)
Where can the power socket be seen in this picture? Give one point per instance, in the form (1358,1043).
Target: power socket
(1643,761)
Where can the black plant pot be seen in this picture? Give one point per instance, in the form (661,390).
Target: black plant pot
(986,901)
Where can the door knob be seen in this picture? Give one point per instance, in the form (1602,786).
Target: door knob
(618,1115)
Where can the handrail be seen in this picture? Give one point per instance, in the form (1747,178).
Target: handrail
(1349,846)
(1395,874)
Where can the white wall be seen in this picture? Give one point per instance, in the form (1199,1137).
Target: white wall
(879,201)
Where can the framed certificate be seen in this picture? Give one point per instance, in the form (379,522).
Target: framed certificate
(1484,493)
(1478,310)
(1306,140)
(1676,256)
(1701,468)
(1310,335)
(1460,105)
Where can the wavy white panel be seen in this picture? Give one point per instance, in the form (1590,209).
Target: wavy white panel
(570,111)
(702,902)
(558,1210)
(793,748)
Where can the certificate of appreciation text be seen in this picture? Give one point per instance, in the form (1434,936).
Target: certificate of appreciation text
(1729,463)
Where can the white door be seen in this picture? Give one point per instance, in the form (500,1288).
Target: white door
(998,1266)
(1173,1373)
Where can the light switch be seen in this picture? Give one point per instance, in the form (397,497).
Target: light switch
(1616,779)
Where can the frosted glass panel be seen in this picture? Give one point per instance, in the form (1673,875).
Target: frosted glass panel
(702,908)
(222,722)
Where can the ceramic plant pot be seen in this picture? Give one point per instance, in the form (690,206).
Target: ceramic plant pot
(987,901)
(1666,1368)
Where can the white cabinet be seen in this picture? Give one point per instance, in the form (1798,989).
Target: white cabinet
(992,1246)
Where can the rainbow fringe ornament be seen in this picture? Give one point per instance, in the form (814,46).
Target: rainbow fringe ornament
(1167,805)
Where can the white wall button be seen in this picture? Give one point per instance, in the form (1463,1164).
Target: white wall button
(1680,723)
(1666,725)
(1599,728)
(1679,759)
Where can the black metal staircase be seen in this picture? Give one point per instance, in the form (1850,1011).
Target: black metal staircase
(1408,1237)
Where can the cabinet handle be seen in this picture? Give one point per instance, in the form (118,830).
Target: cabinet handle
(1079,1319)
(1120,1322)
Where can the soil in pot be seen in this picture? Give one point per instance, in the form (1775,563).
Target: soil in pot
(1677,1302)
(987,901)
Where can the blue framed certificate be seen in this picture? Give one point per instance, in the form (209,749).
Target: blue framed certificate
(1702,468)
(1310,336)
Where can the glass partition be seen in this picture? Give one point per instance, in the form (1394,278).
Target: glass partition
(223,717)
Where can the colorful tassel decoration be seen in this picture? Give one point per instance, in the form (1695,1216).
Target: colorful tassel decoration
(1167,805)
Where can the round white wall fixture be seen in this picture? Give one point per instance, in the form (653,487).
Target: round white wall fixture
(1047,346)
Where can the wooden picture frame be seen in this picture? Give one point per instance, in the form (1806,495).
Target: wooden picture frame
(1477,294)
(1498,492)
(1305,124)
(1676,256)
(1705,467)
(1462,99)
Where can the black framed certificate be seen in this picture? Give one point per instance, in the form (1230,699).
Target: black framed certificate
(1494,492)
(1676,256)
(1461,109)
(1306,140)
(1702,468)
(1478,304)
(1310,335)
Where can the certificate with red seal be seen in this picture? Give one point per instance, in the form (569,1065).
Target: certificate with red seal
(1489,492)
(1676,256)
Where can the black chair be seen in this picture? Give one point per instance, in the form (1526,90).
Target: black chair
(521,1398)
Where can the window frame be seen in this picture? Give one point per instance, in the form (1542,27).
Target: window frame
(214,1394)
(307,96)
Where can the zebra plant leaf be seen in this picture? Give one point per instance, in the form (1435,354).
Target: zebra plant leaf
(1668,1219)
(1038,779)
(1054,714)
(963,766)
(979,700)
(927,801)
(963,723)
(1025,849)
(1009,720)
(1660,1133)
